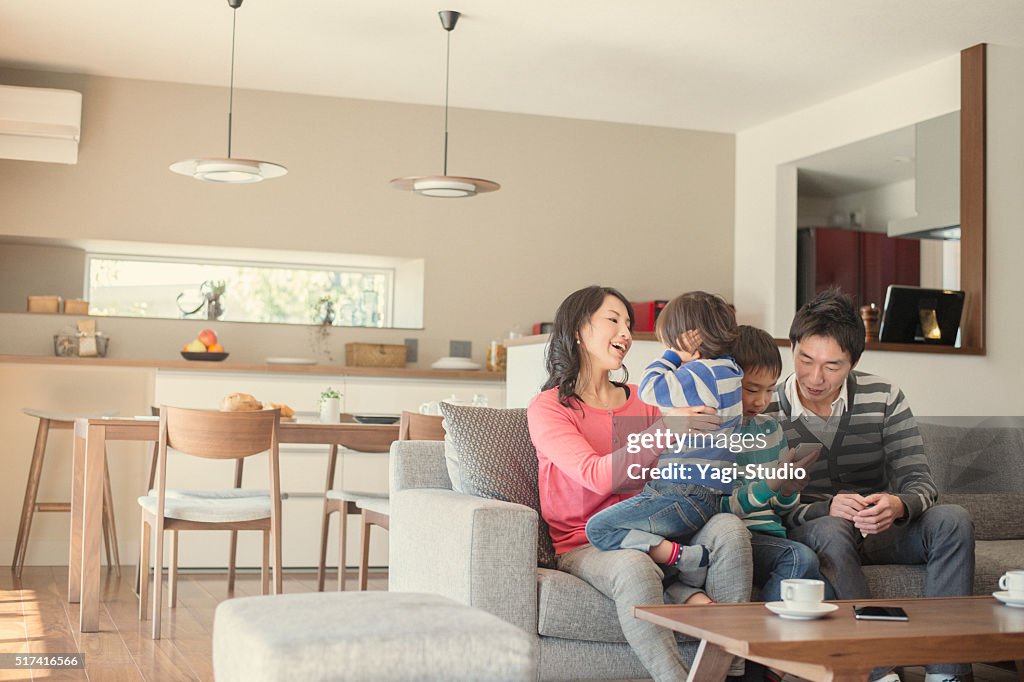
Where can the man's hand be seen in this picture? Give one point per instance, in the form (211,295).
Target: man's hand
(882,511)
(792,485)
(689,419)
(847,506)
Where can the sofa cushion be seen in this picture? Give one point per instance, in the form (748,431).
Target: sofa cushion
(497,460)
(570,608)
(966,457)
(895,581)
(996,516)
(994,558)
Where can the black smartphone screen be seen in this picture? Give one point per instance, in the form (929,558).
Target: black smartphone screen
(879,613)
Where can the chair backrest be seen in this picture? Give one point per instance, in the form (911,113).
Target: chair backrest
(415,426)
(219,435)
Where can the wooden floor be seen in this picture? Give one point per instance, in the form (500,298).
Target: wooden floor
(35,617)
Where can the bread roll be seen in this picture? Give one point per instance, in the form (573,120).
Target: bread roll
(240,402)
(286,412)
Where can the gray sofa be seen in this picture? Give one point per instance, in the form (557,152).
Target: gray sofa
(978,465)
(482,552)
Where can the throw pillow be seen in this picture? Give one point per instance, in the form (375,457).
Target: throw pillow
(497,460)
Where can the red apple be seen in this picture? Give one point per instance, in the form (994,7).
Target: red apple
(208,337)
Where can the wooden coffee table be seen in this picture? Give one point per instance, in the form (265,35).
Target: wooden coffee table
(837,647)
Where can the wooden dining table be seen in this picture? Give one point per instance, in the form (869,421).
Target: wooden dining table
(88,470)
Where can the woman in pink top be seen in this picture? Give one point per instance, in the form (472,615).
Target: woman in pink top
(583,464)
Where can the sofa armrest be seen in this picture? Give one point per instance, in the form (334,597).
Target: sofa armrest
(477,551)
(418,464)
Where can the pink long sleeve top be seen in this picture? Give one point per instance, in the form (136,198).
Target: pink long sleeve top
(583,460)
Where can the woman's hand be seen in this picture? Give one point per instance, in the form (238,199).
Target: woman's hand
(689,419)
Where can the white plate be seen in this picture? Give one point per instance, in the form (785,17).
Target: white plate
(455,363)
(1008,600)
(809,613)
(291,361)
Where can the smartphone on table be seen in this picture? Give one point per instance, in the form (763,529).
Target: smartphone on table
(879,613)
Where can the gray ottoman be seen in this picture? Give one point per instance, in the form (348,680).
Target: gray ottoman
(365,636)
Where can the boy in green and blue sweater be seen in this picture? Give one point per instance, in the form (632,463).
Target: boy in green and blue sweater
(762,502)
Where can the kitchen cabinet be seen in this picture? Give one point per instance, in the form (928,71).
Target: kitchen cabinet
(862,264)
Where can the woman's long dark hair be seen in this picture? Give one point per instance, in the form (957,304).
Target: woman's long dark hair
(564,354)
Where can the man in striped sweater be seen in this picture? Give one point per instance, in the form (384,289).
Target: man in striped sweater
(871,497)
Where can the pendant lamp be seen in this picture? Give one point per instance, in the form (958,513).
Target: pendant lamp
(444,185)
(229,170)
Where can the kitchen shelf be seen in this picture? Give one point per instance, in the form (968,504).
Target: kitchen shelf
(229,366)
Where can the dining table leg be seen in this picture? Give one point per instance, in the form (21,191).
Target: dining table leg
(92,517)
(77,484)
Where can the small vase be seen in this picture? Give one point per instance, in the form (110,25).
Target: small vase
(330,410)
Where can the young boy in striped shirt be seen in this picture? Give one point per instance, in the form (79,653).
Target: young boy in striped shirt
(762,502)
(693,476)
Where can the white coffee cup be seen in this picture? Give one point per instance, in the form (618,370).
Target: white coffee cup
(802,593)
(1013,582)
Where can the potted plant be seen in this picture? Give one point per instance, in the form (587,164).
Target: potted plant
(330,406)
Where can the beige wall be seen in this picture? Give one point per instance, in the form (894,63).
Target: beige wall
(29,269)
(649,210)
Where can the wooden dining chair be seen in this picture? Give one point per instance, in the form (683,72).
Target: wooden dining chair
(373,508)
(210,435)
(233,547)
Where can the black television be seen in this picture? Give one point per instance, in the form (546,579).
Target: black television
(917,315)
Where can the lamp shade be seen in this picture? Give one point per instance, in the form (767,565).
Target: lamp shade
(229,171)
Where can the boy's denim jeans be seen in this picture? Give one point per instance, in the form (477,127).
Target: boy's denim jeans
(777,559)
(662,510)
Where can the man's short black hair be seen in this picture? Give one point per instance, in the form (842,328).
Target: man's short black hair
(830,314)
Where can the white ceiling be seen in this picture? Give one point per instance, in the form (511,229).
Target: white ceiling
(721,65)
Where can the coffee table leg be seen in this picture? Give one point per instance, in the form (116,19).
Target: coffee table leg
(1020,669)
(711,664)
(850,675)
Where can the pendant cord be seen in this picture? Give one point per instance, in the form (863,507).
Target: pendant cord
(231,87)
(447,71)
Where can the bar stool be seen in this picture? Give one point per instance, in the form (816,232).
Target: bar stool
(61,421)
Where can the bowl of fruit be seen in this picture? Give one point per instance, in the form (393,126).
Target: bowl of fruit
(204,347)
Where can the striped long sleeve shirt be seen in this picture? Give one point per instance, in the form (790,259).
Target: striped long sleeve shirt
(876,448)
(669,382)
(760,507)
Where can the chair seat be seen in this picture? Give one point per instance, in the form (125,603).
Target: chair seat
(209,508)
(375,504)
(354,495)
(222,494)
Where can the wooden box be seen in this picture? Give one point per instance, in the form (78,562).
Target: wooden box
(374,355)
(76,306)
(44,304)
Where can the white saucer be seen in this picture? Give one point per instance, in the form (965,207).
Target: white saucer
(1008,600)
(807,613)
(291,361)
(455,363)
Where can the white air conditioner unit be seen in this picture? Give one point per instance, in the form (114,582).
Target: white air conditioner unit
(40,124)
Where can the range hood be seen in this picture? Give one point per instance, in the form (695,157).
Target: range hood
(936,180)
